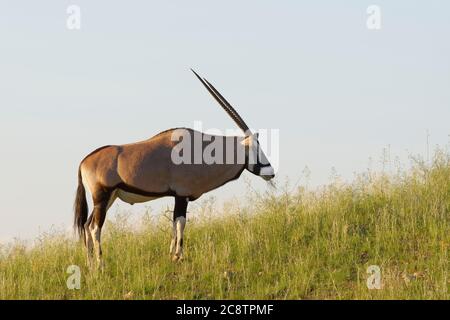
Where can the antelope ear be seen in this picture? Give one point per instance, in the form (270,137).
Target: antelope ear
(250,140)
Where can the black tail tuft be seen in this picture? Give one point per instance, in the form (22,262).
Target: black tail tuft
(80,207)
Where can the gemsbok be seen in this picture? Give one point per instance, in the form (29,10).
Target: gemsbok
(171,163)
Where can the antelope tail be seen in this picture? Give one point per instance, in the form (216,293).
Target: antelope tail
(80,207)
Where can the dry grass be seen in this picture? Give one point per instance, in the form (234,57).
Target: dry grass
(296,245)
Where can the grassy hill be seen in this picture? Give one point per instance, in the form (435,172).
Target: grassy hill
(294,245)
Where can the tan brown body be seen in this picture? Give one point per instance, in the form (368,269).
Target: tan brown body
(145,169)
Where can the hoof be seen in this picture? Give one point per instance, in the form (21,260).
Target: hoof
(176,258)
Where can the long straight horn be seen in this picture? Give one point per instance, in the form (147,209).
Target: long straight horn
(225,105)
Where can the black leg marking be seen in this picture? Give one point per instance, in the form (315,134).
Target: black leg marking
(179,222)
(180,207)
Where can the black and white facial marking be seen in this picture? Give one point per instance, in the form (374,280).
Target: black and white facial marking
(257,162)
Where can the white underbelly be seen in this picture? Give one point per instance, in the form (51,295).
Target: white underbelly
(133,198)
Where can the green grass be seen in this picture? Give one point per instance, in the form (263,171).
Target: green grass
(294,245)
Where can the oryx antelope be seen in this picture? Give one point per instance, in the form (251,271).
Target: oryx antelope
(143,171)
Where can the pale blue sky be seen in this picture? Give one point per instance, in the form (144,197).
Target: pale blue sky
(337,91)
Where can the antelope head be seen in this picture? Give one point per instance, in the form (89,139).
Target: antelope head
(256,161)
